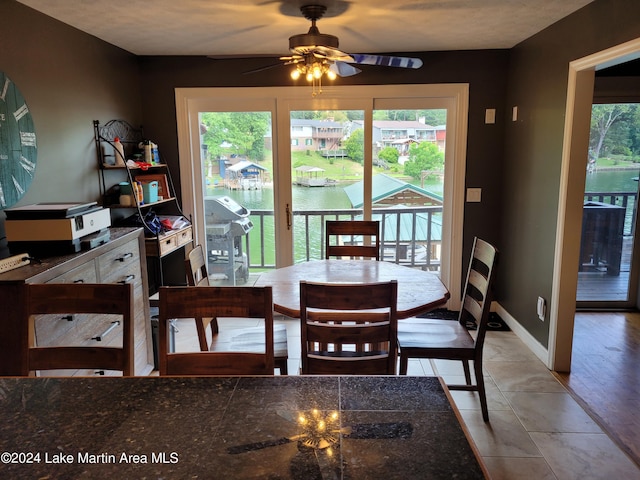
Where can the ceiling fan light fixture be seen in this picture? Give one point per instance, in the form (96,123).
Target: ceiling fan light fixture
(313,70)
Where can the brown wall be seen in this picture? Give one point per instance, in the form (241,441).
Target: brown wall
(538,78)
(68,79)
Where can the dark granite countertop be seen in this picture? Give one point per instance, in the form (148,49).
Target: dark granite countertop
(232,428)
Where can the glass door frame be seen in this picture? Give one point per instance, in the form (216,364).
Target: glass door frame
(280,101)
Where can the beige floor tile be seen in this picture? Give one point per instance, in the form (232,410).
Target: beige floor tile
(512,468)
(506,346)
(550,412)
(585,456)
(523,377)
(502,436)
(471,401)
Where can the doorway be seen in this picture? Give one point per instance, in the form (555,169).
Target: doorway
(607,272)
(573,173)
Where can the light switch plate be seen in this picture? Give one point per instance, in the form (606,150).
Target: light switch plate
(474,194)
(490,115)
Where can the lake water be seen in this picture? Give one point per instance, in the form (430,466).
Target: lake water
(612,181)
(305,198)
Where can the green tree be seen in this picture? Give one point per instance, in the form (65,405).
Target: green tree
(423,156)
(240,133)
(603,118)
(389,155)
(354,146)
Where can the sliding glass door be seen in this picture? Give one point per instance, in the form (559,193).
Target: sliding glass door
(608,270)
(263,169)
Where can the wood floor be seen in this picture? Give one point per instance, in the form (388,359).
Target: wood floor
(605,373)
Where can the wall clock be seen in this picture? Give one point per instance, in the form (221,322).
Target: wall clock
(18,149)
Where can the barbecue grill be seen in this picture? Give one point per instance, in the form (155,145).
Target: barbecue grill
(226,222)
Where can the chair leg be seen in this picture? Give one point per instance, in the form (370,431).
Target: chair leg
(281,363)
(404,364)
(467,372)
(477,367)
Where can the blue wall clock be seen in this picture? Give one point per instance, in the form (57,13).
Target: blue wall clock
(18,148)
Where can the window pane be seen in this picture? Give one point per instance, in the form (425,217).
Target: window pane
(327,156)
(408,184)
(238,191)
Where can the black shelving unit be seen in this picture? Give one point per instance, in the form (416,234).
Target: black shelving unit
(161,246)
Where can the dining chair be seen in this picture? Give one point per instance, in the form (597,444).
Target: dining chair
(197,275)
(334,229)
(348,328)
(252,355)
(450,339)
(93,311)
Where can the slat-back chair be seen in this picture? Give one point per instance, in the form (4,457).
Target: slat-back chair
(83,304)
(334,229)
(450,340)
(348,328)
(227,302)
(197,275)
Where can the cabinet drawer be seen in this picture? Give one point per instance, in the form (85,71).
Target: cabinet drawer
(167,244)
(85,273)
(184,236)
(81,330)
(121,264)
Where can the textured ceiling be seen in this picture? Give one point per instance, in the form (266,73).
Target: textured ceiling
(262,27)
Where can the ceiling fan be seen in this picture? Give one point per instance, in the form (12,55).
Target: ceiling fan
(317,54)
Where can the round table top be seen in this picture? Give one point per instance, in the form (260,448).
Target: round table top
(419,291)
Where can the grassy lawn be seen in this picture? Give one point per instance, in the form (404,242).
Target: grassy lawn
(341,169)
(337,169)
(616,161)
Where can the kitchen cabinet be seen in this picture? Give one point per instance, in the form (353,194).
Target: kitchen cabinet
(121,259)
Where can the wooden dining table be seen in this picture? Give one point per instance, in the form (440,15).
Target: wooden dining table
(419,291)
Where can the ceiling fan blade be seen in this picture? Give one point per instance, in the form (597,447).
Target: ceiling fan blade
(331,53)
(267,67)
(343,69)
(386,60)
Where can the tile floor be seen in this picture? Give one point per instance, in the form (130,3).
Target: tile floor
(536,431)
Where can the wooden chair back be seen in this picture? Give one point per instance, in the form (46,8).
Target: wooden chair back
(228,302)
(86,304)
(334,229)
(198,276)
(476,301)
(349,328)
(196,266)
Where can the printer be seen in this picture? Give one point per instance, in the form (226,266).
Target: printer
(45,229)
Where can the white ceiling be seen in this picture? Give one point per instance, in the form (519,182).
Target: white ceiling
(262,27)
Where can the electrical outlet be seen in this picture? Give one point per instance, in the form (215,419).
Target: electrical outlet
(541,308)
